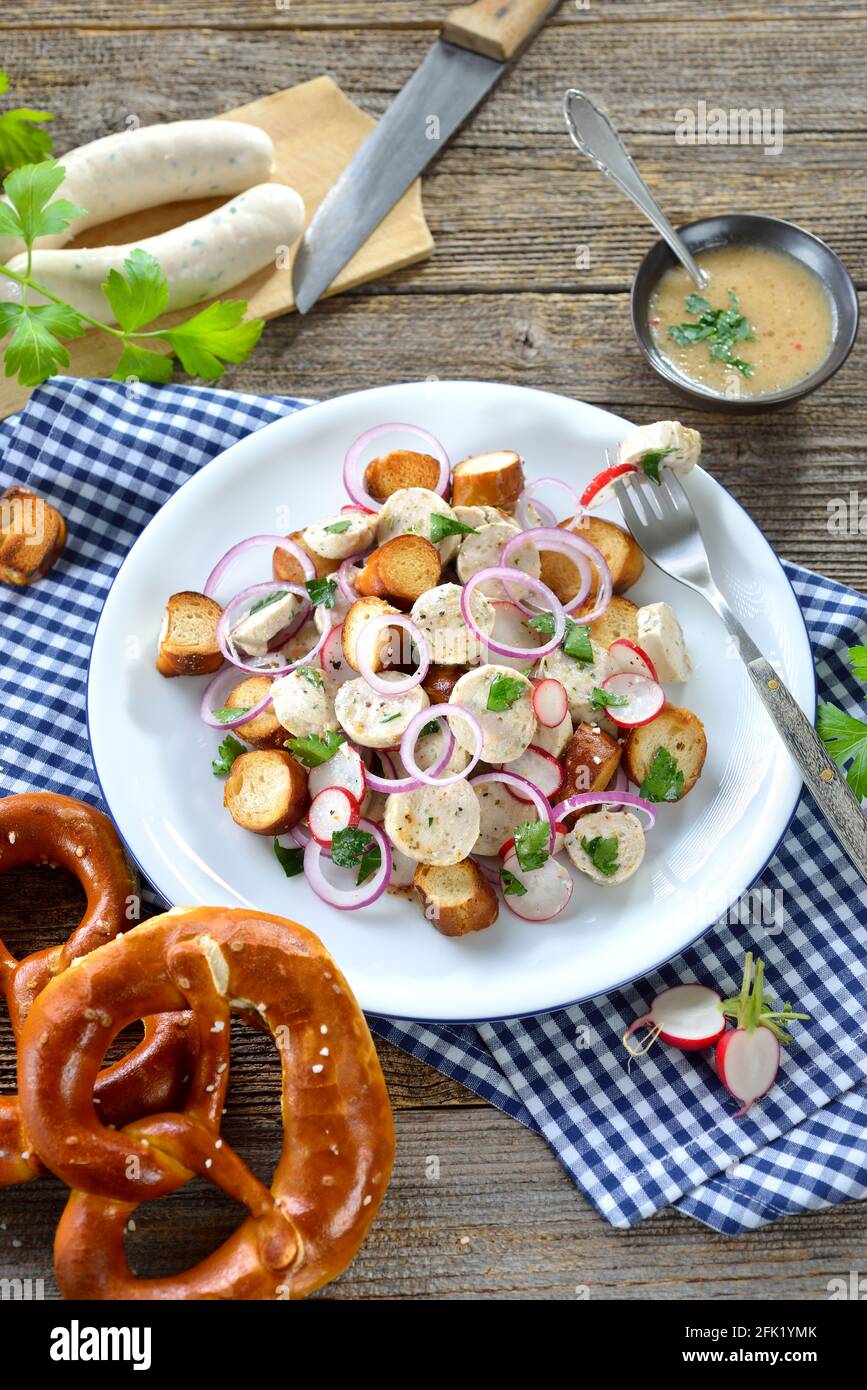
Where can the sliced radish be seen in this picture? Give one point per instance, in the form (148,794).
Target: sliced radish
(628,656)
(601,488)
(548,890)
(333,809)
(540,768)
(510,630)
(331,657)
(562,831)
(688,1016)
(747,1064)
(345,769)
(550,702)
(355,507)
(645,698)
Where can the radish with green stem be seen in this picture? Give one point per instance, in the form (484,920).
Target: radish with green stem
(687,1016)
(747,1056)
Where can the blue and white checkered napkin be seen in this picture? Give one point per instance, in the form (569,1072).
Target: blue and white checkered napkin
(634,1140)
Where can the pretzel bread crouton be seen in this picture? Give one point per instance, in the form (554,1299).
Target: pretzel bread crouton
(488,480)
(399,469)
(457,898)
(620,619)
(188,640)
(590,759)
(620,551)
(265,731)
(440,681)
(266,791)
(402,570)
(360,613)
(32,536)
(681,734)
(286,568)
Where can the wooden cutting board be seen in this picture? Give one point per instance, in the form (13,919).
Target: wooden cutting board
(316,130)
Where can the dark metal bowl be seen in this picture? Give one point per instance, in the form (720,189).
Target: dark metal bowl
(749,229)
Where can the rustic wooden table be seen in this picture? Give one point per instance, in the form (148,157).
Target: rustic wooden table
(503,299)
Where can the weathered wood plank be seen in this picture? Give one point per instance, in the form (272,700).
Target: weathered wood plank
(478,1208)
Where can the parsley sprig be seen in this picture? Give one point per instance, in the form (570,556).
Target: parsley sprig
(664,779)
(22,139)
(532,838)
(845,736)
(313,750)
(352,848)
(602,853)
(721,329)
(38,333)
(503,692)
(576,640)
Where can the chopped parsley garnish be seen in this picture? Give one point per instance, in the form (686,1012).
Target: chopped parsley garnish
(442,526)
(430,727)
(512,887)
(266,602)
(650,461)
(337,528)
(721,329)
(353,847)
(312,675)
(321,591)
(388,718)
(292,860)
(313,750)
(230,749)
(229,713)
(604,699)
(576,639)
(664,780)
(845,736)
(504,691)
(602,853)
(532,838)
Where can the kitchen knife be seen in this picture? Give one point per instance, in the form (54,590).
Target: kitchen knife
(478,42)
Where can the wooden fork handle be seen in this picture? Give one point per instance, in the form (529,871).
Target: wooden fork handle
(822,777)
(498,29)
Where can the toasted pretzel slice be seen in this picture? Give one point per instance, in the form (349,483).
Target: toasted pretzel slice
(338,1133)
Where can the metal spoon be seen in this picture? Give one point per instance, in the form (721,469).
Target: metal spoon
(596,137)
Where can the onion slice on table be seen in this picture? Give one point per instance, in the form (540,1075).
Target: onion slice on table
(349,899)
(548,598)
(628,800)
(410,738)
(355,488)
(579,551)
(280,542)
(530,793)
(365,646)
(215,693)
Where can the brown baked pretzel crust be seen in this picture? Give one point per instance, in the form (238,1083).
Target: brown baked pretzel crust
(338,1143)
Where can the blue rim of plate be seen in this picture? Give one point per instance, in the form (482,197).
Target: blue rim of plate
(496,1018)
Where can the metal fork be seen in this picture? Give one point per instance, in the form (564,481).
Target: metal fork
(661,518)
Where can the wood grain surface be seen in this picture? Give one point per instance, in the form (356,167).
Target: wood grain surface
(509,204)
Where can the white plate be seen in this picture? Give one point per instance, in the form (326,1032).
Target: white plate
(153,754)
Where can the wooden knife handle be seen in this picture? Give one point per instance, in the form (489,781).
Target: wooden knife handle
(497,29)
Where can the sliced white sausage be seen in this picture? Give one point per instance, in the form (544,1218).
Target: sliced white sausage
(375,721)
(481,515)
(438,614)
(302,642)
(482,551)
(156,164)
(407,512)
(679,446)
(499,813)
(506,733)
(554,740)
(253,633)
(201,260)
(436,825)
(579,679)
(337,612)
(605,825)
(303,707)
(661,636)
(338,537)
(427,750)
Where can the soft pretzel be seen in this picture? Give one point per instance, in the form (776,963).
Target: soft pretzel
(41,827)
(338,1143)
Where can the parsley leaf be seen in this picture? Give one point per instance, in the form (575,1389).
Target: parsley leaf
(650,461)
(217,335)
(143,364)
(390,717)
(21,140)
(321,591)
(664,780)
(268,600)
(503,693)
(512,887)
(576,639)
(230,749)
(845,738)
(351,847)
(604,699)
(532,838)
(337,528)
(30,189)
(292,860)
(312,676)
(312,751)
(430,728)
(602,853)
(140,294)
(719,328)
(442,526)
(34,350)
(858,662)
(228,713)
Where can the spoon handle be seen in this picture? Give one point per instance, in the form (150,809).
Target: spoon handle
(596,137)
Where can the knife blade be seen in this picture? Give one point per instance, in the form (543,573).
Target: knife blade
(443,91)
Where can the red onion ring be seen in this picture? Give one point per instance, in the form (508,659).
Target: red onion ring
(538,798)
(356,490)
(565,543)
(408,784)
(255,665)
(349,900)
(410,738)
(210,702)
(280,542)
(583,799)
(487,869)
(550,599)
(343,582)
(521,512)
(364,643)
